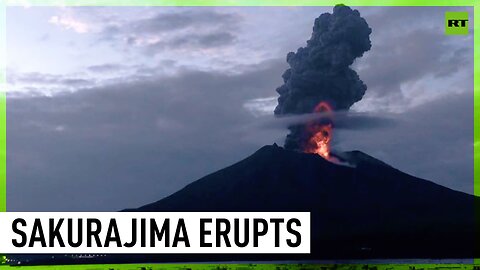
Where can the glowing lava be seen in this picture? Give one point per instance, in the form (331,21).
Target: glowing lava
(320,133)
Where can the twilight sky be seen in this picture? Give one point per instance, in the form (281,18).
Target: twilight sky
(115,107)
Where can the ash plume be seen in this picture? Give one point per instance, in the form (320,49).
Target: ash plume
(320,72)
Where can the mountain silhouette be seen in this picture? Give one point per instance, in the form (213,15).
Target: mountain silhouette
(363,208)
(360,209)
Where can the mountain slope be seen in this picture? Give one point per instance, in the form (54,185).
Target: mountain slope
(366,210)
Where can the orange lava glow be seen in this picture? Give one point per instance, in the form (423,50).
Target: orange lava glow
(320,133)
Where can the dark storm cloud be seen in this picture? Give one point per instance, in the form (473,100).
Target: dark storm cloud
(175,21)
(193,41)
(182,29)
(124,145)
(75,82)
(105,68)
(209,40)
(128,144)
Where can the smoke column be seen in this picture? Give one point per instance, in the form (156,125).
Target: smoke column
(320,72)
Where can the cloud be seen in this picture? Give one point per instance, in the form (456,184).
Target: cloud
(413,55)
(144,135)
(261,106)
(169,22)
(343,120)
(208,40)
(186,29)
(36,83)
(430,53)
(136,133)
(69,22)
(124,145)
(191,41)
(433,141)
(105,68)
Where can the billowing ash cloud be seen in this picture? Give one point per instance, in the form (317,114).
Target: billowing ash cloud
(321,70)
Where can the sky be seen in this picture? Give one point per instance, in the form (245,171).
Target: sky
(115,107)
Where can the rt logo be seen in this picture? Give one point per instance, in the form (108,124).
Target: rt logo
(456,23)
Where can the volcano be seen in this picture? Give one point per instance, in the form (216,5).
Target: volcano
(361,208)
(367,209)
